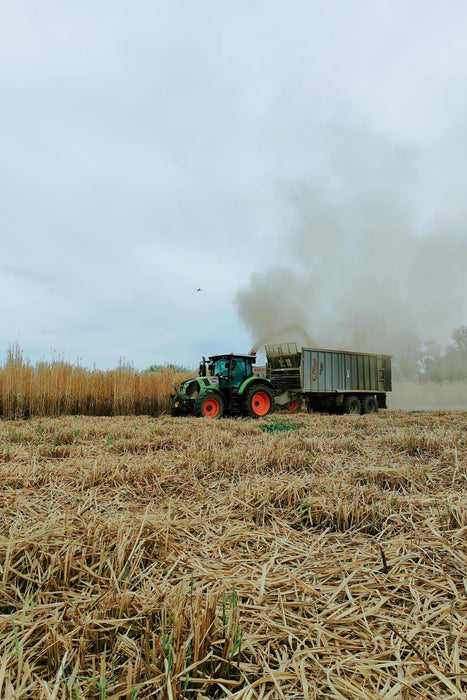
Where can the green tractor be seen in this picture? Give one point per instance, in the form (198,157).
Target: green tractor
(231,387)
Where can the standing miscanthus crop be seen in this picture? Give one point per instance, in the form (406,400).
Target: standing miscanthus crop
(60,388)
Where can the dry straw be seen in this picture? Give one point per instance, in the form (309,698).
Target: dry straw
(296,557)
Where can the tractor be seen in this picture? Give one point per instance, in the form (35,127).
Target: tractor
(227,384)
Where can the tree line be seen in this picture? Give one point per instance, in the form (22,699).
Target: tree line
(429,362)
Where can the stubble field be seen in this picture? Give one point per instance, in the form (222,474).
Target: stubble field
(300,556)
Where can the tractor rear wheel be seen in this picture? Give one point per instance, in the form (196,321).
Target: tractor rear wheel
(209,406)
(259,401)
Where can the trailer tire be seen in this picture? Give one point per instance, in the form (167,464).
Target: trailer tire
(209,405)
(295,405)
(352,405)
(370,405)
(259,402)
(314,406)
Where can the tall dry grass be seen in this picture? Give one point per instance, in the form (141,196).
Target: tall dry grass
(59,388)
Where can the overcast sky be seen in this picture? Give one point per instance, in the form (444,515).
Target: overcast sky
(151,148)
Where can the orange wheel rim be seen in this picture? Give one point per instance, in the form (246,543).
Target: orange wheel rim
(260,403)
(293,405)
(211,408)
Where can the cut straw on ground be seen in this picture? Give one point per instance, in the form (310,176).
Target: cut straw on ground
(188,558)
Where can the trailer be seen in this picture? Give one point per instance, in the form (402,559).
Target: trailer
(328,380)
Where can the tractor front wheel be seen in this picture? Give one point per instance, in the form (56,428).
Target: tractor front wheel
(259,401)
(209,406)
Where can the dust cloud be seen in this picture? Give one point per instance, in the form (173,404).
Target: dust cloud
(369,256)
(294,333)
(428,396)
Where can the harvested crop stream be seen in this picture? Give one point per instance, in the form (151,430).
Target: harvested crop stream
(299,556)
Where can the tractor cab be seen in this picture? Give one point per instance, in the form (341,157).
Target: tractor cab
(231,370)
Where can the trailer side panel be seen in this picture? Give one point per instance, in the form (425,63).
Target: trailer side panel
(326,371)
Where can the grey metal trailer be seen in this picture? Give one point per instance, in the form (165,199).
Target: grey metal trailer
(353,382)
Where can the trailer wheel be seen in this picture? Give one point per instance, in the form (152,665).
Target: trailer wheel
(352,405)
(370,405)
(209,405)
(259,401)
(295,405)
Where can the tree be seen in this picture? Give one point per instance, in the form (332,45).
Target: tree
(178,369)
(408,360)
(455,359)
(431,363)
(459,336)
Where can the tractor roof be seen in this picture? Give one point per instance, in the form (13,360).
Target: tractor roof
(227,355)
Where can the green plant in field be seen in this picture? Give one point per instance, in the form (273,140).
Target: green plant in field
(15,435)
(338,520)
(124,573)
(278,426)
(444,513)
(15,646)
(102,685)
(305,512)
(57,439)
(224,611)
(102,563)
(233,632)
(311,460)
(373,519)
(109,440)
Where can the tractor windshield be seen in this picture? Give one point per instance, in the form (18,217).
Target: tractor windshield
(232,369)
(219,368)
(239,371)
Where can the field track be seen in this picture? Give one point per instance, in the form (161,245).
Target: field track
(300,556)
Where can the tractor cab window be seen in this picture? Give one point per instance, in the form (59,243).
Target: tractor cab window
(240,369)
(234,370)
(219,368)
